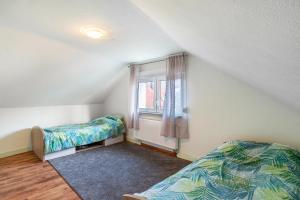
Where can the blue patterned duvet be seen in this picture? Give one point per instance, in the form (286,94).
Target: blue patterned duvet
(235,170)
(68,136)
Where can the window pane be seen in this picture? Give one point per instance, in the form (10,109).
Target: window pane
(162,85)
(178,104)
(146,95)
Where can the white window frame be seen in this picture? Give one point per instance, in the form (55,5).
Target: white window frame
(146,80)
(156,104)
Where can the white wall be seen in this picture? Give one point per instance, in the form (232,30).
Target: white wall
(16,123)
(223,108)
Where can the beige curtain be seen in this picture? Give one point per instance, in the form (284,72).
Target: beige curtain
(133,118)
(175,116)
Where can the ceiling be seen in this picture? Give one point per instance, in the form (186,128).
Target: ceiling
(44,60)
(256,41)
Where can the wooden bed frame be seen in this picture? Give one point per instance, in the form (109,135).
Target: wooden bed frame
(132,197)
(37,140)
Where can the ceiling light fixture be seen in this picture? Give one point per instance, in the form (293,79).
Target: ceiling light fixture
(93,32)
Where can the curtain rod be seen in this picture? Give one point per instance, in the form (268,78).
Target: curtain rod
(157,59)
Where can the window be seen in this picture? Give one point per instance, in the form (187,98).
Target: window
(151,94)
(147,96)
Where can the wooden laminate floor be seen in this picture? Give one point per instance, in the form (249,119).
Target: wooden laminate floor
(24,176)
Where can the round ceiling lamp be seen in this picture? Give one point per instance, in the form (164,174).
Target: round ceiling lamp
(93,32)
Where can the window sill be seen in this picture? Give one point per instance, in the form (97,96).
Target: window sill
(151,116)
(154,116)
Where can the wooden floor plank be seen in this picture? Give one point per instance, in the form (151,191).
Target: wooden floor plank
(24,176)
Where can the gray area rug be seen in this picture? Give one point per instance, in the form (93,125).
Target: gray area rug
(107,173)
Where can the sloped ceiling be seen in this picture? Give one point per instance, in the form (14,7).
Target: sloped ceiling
(44,60)
(256,41)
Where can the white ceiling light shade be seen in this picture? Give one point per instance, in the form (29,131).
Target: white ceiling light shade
(93,32)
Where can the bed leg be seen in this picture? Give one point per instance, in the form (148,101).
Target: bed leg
(37,140)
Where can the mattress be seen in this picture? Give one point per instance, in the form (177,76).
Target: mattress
(67,136)
(235,170)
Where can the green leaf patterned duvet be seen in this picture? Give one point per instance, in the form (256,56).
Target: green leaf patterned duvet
(235,170)
(68,136)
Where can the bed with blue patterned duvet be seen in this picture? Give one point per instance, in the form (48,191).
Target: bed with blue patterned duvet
(235,170)
(55,139)
(63,137)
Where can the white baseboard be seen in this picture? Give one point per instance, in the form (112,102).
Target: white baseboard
(179,155)
(17,151)
(186,157)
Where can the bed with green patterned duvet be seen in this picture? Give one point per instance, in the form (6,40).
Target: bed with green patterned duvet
(64,137)
(235,170)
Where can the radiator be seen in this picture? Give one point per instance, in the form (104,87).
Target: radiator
(149,132)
